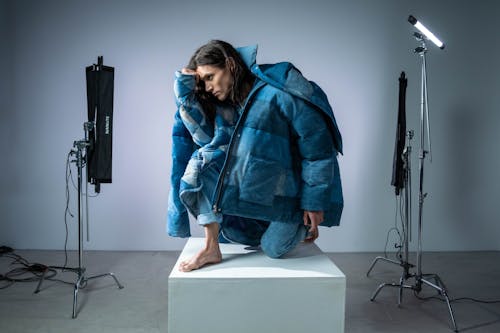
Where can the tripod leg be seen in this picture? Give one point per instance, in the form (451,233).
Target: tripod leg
(384,259)
(455,328)
(75,295)
(75,300)
(120,286)
(445,295)
(400,296)
(379,289)
(439,286)
(116,280)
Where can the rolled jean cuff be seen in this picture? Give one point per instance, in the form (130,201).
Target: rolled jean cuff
(207,218)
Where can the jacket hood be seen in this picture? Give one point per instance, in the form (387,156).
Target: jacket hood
(248,54)
(285,76)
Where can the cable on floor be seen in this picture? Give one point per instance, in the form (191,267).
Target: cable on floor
(26,271)
(436,297)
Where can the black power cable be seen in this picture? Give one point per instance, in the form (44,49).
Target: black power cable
(399,245)
(436,297)
(67,211)
(35,271)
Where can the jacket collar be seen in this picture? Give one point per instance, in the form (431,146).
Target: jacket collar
(248,54)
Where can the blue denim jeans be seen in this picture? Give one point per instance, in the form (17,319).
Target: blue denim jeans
(197,200)
(275,238)
(206,214)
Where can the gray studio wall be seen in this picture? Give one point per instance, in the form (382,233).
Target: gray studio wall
(354,49)
(5,86)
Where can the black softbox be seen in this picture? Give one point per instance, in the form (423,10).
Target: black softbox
(398,172)
(100,86)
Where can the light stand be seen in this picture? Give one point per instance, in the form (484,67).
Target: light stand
(404,263)
(420,278)
(81,161)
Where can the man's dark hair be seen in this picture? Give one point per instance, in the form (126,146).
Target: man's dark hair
(216,53)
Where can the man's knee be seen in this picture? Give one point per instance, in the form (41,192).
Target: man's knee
(273,250)
(280,239)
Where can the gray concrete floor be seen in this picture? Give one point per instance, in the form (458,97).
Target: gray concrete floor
(142,305)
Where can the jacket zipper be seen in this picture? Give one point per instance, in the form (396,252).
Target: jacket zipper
(220,183)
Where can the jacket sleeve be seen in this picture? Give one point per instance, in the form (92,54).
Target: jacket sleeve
(182,148)
(190,109)
(315,145)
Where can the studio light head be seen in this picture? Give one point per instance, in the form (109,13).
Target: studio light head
(427,33)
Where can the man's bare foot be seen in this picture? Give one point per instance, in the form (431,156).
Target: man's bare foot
(206,256)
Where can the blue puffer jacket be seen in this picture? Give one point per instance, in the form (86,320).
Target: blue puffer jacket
(282,158)
(212,137)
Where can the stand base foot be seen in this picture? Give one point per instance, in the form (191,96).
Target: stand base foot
(438,285)
(80,283)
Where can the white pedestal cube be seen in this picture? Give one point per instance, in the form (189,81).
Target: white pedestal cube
(303,292)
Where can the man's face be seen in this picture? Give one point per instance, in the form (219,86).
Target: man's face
(218,81)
